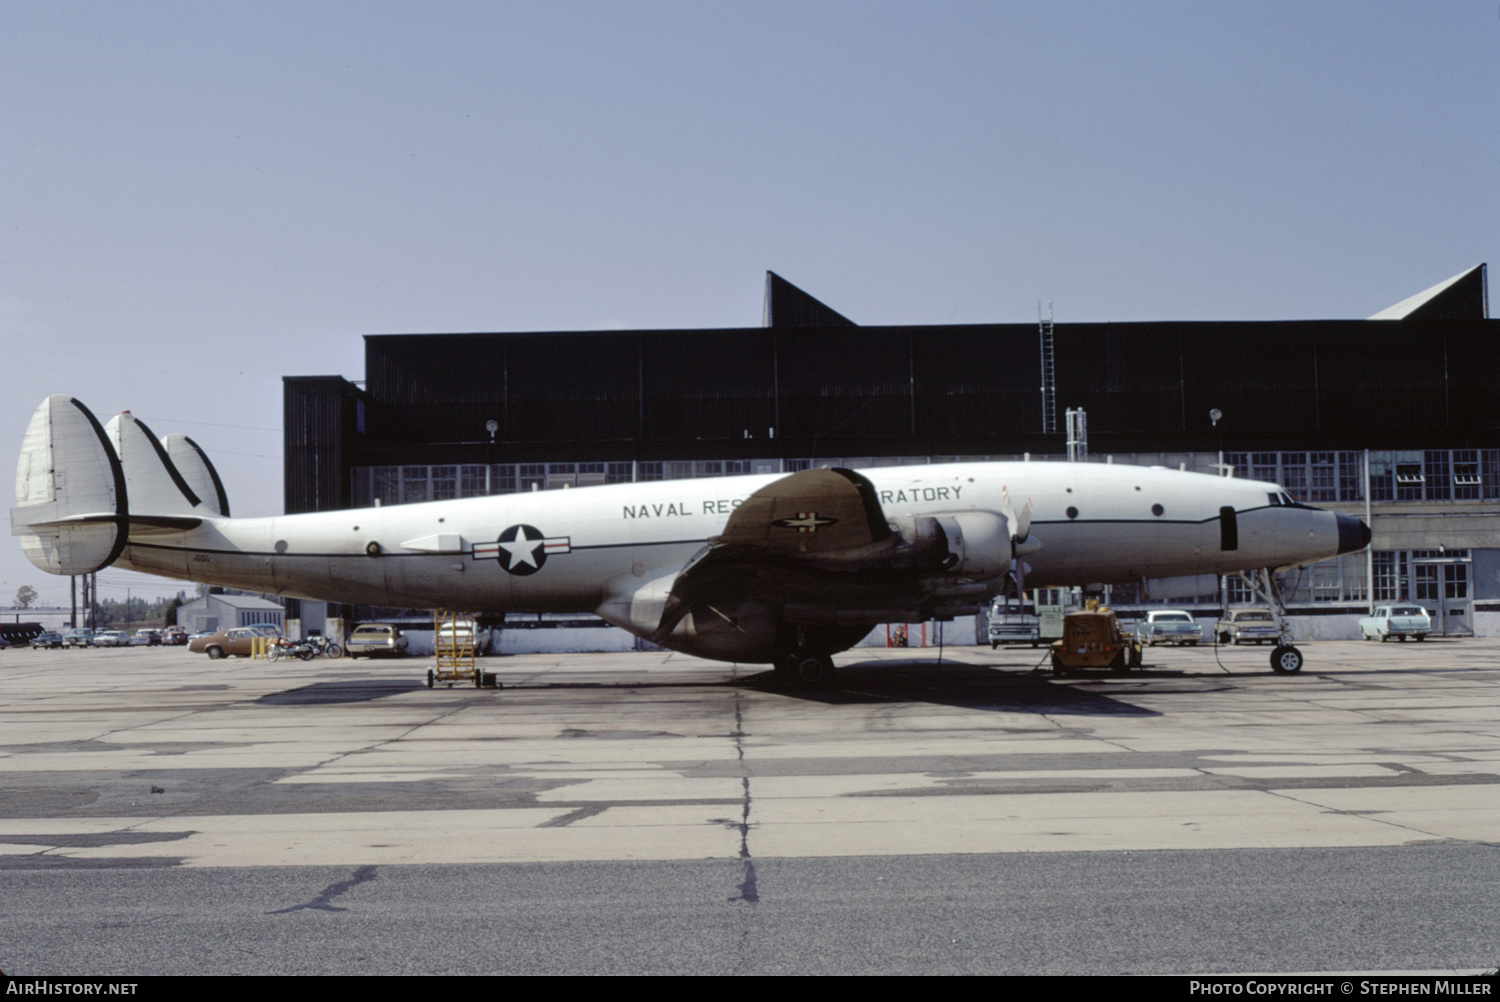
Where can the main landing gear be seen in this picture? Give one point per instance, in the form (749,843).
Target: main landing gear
(804,669)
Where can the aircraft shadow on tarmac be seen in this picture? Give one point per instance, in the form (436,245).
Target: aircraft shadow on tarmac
(360,690)
(950,683)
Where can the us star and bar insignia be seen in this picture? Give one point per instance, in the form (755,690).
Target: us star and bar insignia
(806,521)
(523,549)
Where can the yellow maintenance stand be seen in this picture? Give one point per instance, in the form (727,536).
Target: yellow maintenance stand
(453,645)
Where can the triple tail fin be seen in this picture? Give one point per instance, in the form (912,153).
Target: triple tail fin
(71,504)
(83,489)
(192,462)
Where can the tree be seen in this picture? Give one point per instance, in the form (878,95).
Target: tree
(25,595)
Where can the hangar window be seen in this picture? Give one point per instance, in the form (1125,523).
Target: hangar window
(1294,474)
(1408,480)
(1341,579)
(1435,468)
(1322,477)
(1351,477)
(473,481)
(651,471)
(1467,483)
(532,476)
(385,485)
(414,486)
(618,473)
(1387,575)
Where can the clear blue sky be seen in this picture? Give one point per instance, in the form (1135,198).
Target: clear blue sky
(197,198)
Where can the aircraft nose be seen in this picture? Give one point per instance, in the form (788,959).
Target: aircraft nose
(1353,534)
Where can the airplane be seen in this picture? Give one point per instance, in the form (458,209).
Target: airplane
(785,569)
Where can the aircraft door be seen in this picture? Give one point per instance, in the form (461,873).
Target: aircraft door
(1442,586)
(1455,599)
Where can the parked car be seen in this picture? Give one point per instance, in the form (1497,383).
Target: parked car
(238,640)
(461,633)
(146,638)
(50,640)
(111,638)
(373,639)
(1401,620)
(1247,626)
(174,636)
(1168,626)
(80,636)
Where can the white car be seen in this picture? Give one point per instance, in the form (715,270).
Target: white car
(374,639)
(1168,626)
(462,633)
(111,638)
(1401,620)
(1247,626)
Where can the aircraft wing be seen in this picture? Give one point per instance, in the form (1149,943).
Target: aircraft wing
(786,545)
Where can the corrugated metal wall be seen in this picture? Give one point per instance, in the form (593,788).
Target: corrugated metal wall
(888,391)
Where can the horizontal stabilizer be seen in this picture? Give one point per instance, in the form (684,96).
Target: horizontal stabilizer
(192,462)
(70,491)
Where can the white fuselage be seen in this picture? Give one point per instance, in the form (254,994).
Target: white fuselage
(1094,523)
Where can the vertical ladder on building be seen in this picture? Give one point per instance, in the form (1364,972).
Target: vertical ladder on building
(453,646)
(1049,371)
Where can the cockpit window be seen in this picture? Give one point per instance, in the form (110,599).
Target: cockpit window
(1274,498)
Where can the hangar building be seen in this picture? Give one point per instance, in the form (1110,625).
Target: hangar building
(1398,413)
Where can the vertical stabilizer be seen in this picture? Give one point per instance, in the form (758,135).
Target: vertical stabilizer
(70,491)
(192,462)
(155,485)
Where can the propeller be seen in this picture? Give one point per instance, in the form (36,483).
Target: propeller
(1019,524)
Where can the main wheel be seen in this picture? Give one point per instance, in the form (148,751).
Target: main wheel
(809,670)
(430,678)
(1286,660)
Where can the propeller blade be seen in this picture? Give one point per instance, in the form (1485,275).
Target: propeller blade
(1023,526)
(1019,524)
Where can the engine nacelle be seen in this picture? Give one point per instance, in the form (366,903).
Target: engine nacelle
(969,544)
(978,543)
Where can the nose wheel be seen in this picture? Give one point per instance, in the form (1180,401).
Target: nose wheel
(1286,660)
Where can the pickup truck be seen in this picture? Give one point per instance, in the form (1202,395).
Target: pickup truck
(1247,626)
(1009,625)
(1400,621)
(1168,626)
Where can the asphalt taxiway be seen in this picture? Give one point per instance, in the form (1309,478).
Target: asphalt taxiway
(162,813)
